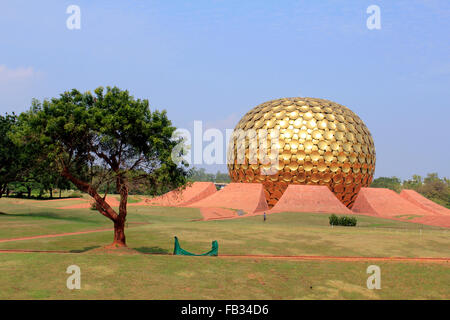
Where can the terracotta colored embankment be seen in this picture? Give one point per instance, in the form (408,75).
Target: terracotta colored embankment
(248,197)
(420,201)
(193,193)
(385,203)
(309,198)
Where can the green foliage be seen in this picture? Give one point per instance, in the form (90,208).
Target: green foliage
(392,183)
(222,177)
(342,221)
(435,189)
(10,157)
(21,171)
(104,139)
(201,175)
(415,182)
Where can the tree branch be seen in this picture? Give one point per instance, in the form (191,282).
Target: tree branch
(105,208)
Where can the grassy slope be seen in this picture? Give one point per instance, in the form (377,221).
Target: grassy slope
(167,277)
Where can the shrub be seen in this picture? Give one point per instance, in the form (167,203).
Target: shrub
(334,220)
(93,205)
(342,221)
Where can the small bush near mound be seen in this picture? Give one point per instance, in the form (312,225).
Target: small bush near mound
(342,221)
(93,205)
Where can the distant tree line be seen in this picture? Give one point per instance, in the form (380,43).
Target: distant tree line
(432,187)
(200,174)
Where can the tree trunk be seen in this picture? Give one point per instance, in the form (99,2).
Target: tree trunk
(7,191)
(60,193)
(119,233)
(105,209)
(29,192)
(119,223)
(51,193)
(2,189)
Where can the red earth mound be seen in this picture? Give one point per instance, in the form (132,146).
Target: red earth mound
(193,193)
(385,203)
(309,198)
(420,201)
(248,197)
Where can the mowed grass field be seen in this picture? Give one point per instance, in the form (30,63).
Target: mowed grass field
(153,273)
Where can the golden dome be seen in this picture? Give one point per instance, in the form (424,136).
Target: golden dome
(302,141)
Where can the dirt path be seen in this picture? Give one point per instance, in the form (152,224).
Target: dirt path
(297,258)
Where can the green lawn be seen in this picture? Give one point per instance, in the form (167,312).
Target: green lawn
(42,276)
(151,230)
(22,218)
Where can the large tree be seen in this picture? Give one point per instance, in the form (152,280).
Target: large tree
(109,131)
(19,168)
(6,145)
(12,157)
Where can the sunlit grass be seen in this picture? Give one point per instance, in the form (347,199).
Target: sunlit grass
(162,276)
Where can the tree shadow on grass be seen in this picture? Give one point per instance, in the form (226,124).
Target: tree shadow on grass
(15,196)
(49,215)
(154,250)
(84,249)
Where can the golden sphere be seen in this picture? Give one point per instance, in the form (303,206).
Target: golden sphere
(302,141)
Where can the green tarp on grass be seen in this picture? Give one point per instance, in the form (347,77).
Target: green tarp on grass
(179,251)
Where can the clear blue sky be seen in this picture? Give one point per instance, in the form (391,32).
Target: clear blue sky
(213,60)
